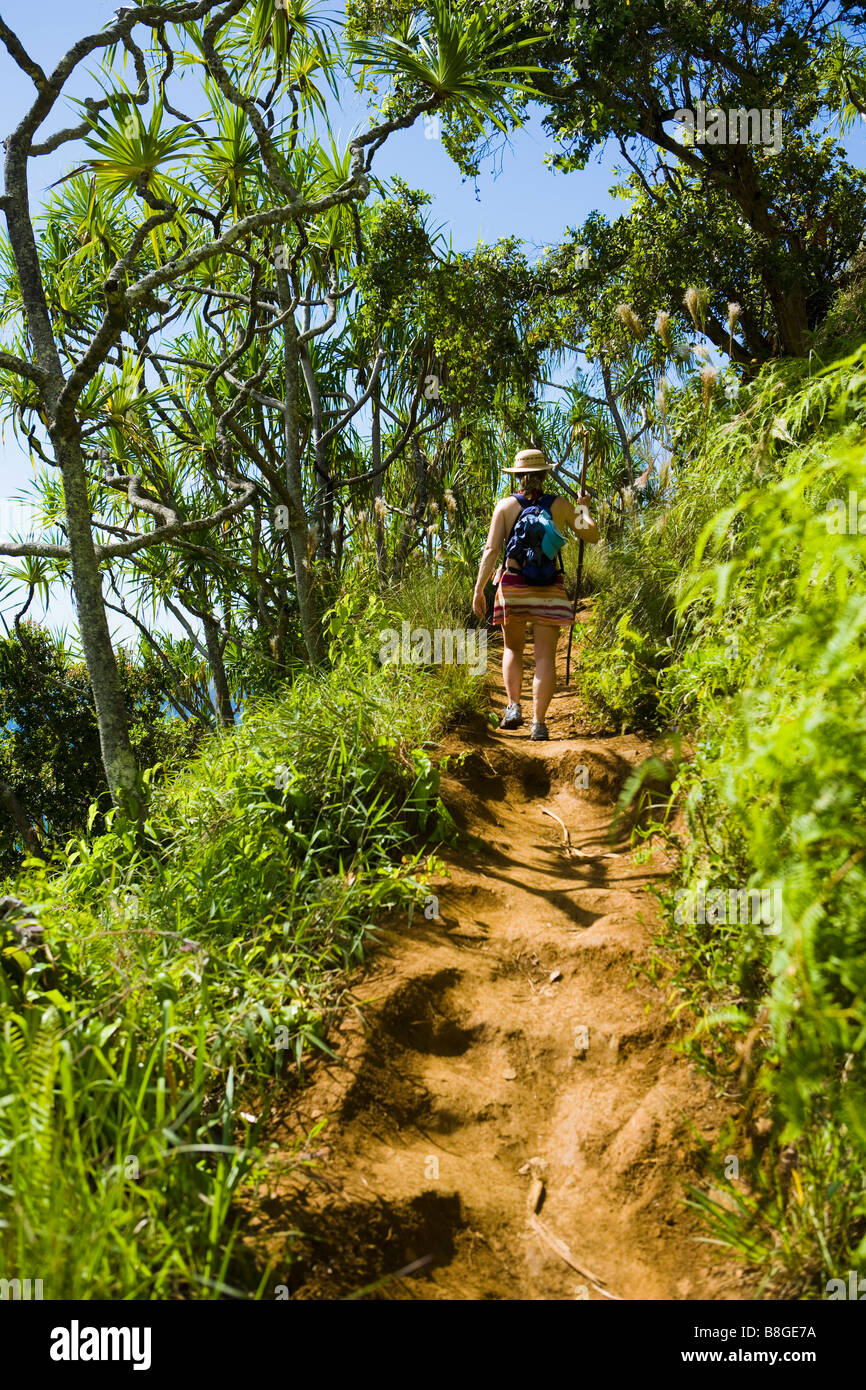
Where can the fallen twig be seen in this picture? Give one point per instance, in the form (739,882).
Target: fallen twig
(569,847)
(566,836)
(566,843)
(484,757)
(560,1248)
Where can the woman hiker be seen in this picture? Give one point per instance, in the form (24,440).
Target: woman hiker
(518,602)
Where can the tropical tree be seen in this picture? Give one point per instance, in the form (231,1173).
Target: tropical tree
(158,244)
(625,71)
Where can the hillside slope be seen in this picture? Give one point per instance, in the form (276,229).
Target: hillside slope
(505,1107)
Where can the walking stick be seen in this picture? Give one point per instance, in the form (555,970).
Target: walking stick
(580,545)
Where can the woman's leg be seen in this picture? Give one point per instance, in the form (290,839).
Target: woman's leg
(544,681)
(513,638)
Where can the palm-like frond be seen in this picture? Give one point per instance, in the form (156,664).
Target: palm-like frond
(30,572)
(80,226)
(843,78)
(305,62)
(130,149)
(232,159)
(11,307)
(278,25)
(469,65)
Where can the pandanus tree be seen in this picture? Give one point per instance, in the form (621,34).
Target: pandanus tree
(464,319)
(178,209)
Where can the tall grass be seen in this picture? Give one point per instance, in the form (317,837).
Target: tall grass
(741,616)
(138,1035)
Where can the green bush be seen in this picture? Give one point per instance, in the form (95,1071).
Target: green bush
(619,674)
(49,737)
(765,630)
(172,982)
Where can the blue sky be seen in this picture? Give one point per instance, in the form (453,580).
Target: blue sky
(515,195)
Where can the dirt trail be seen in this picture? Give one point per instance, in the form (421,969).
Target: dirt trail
(504,1045)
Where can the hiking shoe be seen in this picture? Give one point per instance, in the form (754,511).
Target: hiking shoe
(538,731)
(511,718)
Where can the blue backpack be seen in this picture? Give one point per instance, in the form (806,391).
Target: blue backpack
(534,540)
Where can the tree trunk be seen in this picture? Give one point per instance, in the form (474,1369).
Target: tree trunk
(324,508)
(23,823)
(617,418)
(225,710)
(121,769)
(379,505)
(338,547)
(787,299)
(303,542)
(409,525)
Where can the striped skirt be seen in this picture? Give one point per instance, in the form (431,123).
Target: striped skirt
(537,603)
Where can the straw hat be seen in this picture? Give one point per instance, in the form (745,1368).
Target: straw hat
(530,461)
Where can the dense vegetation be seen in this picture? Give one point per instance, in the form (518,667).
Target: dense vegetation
(733,613)
(264,399)
(167,983)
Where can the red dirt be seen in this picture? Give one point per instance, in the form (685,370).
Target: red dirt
(463,1073)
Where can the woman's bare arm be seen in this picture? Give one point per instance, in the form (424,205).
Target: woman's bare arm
(493,545)
(577,519)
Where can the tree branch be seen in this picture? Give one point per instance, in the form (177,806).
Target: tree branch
(11,363)
(18,53)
